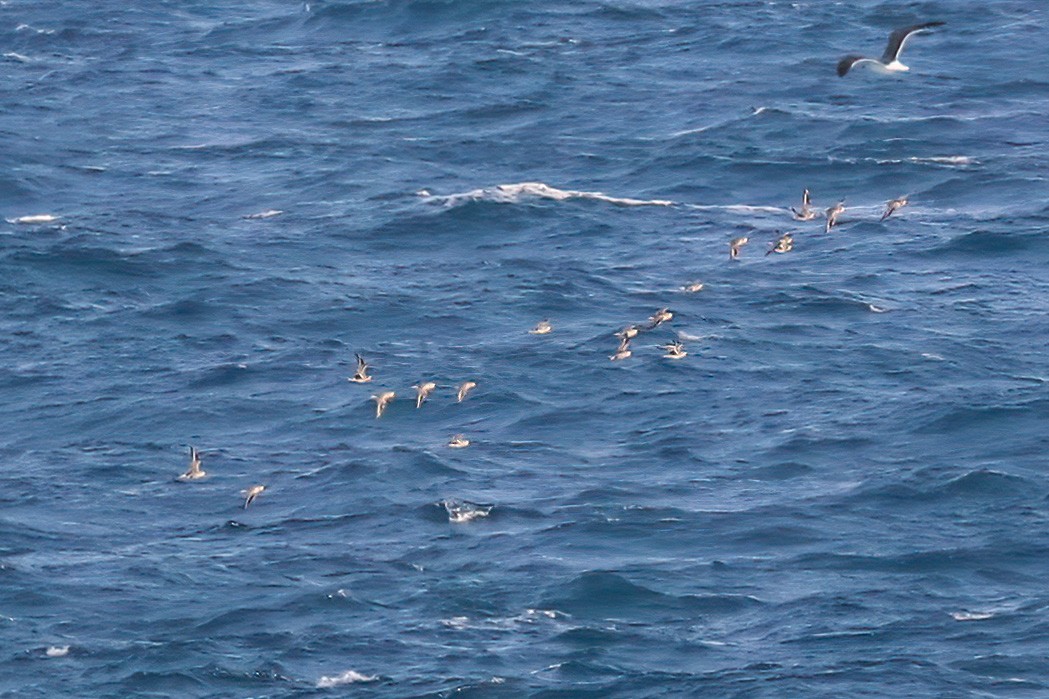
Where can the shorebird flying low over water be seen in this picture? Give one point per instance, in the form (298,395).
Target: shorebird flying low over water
(890,60)
(734,245)
(659,317)
(251,493)
(459,442)
(674,350)
(892,206)
(381,401)
(623,352)
(692,287)
(833,213)
(806,213)
(361,376)
(628,333)
(542,328)
(464,388)
(784,244)
(195,471)
(422,391)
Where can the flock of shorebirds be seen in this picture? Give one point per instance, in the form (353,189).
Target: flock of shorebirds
(888,63)
(673,350)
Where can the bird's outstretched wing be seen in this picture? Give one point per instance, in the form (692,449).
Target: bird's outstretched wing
(898,37)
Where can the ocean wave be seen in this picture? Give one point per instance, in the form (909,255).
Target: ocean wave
(523,191)
(348,677)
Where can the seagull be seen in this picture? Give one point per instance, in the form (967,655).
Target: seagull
(381,401)
(659,317)
(251,493)
(542,328)
(833,213)
(805,213)
(628,333)
(623,352)
(361,376)
(890,60)
(675,350)
(692,287)
(734,245)
(422,391)
(464,388)
(784,244)
(458,442)
(194,471)
(892,206)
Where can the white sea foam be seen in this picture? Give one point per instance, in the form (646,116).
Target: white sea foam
(348,677)
(515,193)
(35,218)
(971,616)
(57,651)
(268,213)
(17,57)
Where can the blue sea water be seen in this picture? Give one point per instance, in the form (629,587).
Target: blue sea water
(842,490)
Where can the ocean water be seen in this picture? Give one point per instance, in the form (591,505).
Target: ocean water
(842,490)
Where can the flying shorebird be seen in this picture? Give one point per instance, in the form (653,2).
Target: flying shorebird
(458,442)
(381,401)
(628,333)
(833,213)
(361,376)
(542,328)
(623,352)
(422,391)
(890,60)
(784,244)
(893,206)
(734,245)
(674,350)
(806,213)
(692,287)
(659,317)
(464,388)
(194,472)
(251,493)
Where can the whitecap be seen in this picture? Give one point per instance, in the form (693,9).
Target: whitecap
(971,616)
(348,677)
(268,213)
(946,160)
(17,57)
(35,218)
(876,309)
(57,651)
(517,192)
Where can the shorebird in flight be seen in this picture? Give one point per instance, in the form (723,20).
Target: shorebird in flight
(422,391)
(543,327)
(381,401)
(893,206)
(833,213)
(674,350)
(459,442)
(806,213)
(628,333)
(623,352)
(890,60)
(784,244)
(659,317)
(464,388)
(361,375)
(251,493)
(195,471)
(734,245)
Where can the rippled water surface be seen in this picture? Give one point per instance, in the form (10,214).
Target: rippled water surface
(209,208)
